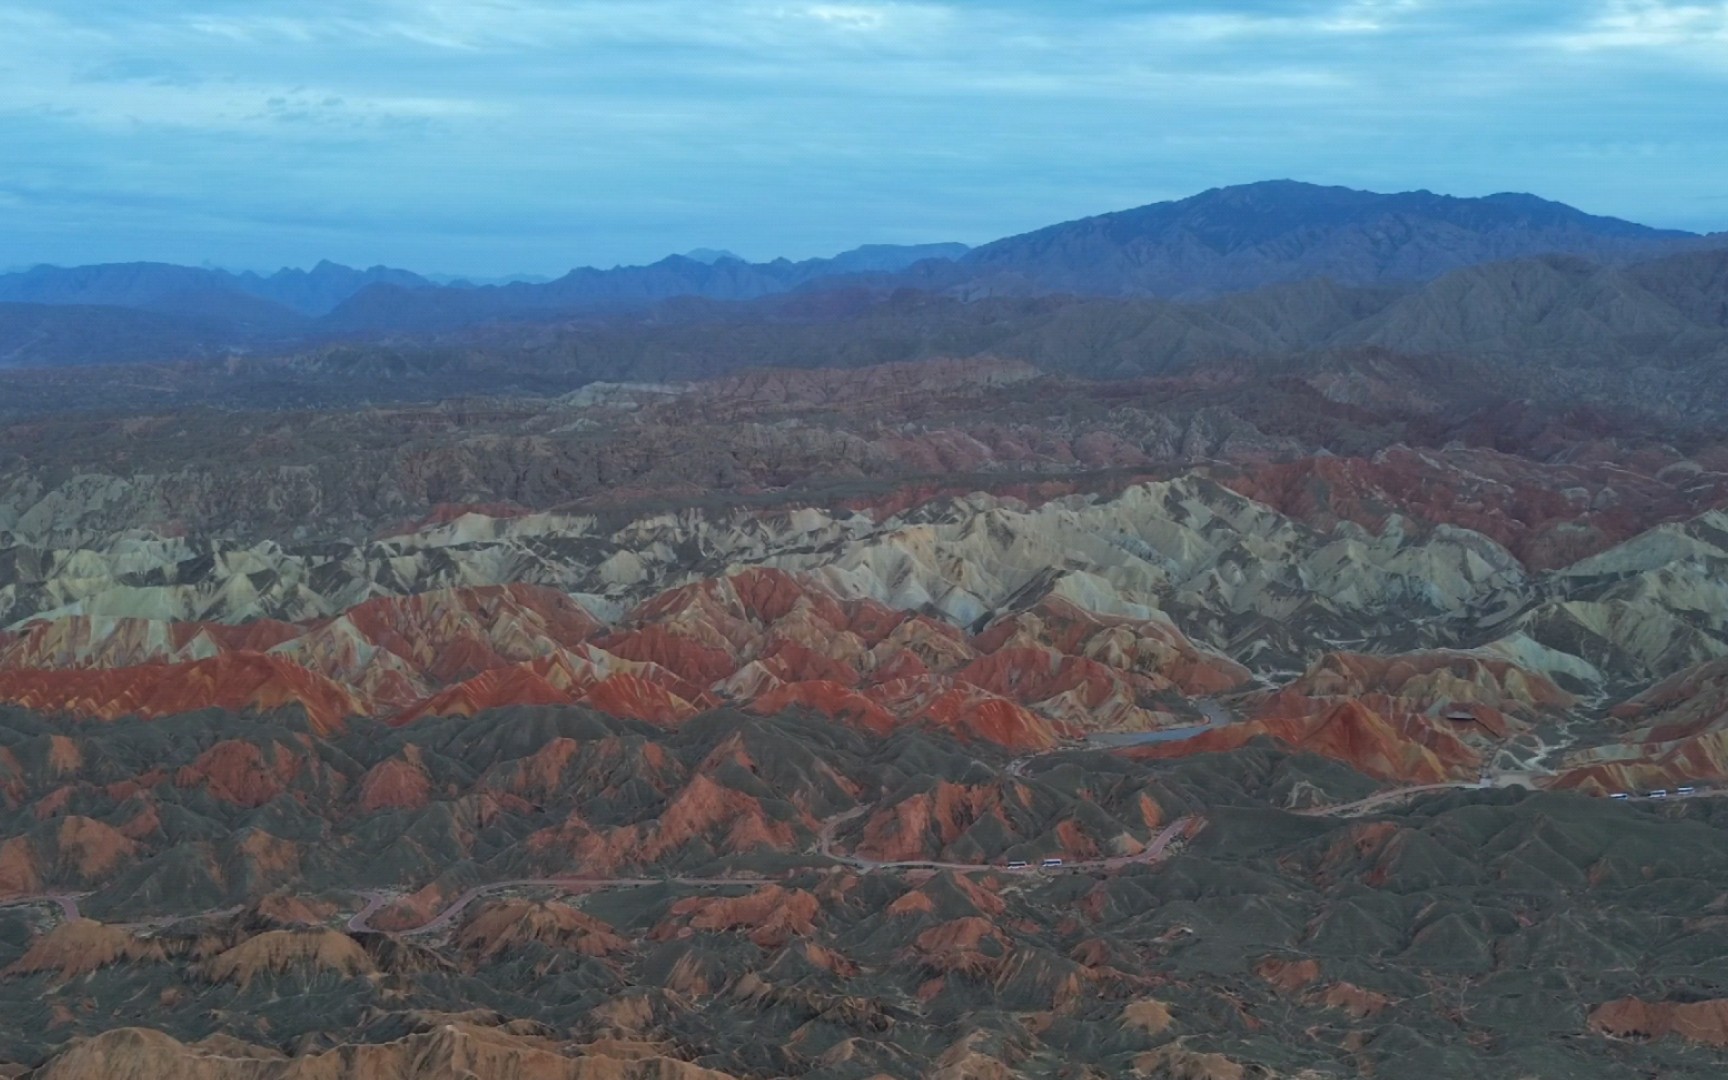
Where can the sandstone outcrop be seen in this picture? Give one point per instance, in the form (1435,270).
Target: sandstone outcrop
(1701,1022)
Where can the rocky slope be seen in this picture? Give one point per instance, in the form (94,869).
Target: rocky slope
(1187,554)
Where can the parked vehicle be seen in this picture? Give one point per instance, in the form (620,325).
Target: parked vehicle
(1050,864)
(1687,790)
(1660,793)
(1017,864)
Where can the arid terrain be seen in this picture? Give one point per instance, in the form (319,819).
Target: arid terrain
(1323,681)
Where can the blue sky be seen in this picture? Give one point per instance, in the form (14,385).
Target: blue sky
(499,136)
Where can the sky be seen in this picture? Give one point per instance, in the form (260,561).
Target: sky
(493,137)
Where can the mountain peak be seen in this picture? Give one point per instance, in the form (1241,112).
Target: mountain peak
(712,255)
(1231,239)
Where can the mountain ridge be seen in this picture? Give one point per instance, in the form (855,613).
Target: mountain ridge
(1237,238)
(1217,243)
(154,286)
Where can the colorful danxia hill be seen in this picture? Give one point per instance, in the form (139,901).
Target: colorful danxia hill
(1077,702)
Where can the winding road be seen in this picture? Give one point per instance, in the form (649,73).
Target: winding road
(1504,780)
(1151,853)
(1386,798)
(66,902)
(1155,850)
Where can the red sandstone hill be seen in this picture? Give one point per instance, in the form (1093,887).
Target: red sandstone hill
(762,637)
(1549,515)
(1375,737)
(1416,718)
(238,681)
(1702,1022)
(1680,737)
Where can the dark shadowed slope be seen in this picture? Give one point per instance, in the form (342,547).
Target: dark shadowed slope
(43,335)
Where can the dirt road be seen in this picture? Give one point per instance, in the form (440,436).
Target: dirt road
(66,902)
(1153,852)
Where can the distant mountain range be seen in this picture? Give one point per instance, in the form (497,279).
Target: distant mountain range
(1575,318)
(393,308)
(185,290)
(1223,241)
(1213,245)
(197,310)
(1239,238)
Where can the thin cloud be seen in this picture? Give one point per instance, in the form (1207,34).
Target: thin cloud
(1653,25)
(493,135)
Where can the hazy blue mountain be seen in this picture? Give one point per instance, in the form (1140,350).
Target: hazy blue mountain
(713,255)
(590,290)
(470,281)
(1218,244)
(204,292)
(889,258)
(1237,238)
(135,285)
(214,298)
(322,288)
